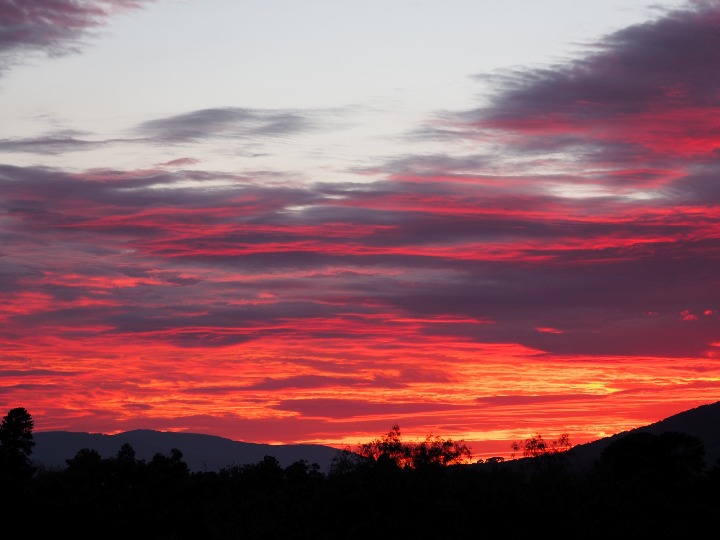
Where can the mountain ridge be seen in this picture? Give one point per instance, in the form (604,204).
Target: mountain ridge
(702,422)
(201,452)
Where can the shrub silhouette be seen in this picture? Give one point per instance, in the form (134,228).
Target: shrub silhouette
(391,450)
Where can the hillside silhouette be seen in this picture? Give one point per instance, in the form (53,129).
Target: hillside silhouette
(208,452)
(201,452)
(702,422)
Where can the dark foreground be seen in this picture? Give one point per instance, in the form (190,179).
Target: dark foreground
(646,487)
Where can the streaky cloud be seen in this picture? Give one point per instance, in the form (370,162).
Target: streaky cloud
(631,100)
(51,144)
(225,122)
(55,27)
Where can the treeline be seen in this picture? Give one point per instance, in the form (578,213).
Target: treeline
(646,486)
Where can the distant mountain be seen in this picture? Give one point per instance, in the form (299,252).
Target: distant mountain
(702,422)
(211,453)
(200,452)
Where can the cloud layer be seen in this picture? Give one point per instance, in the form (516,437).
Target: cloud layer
(565,267)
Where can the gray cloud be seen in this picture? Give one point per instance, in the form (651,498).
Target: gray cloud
(54,27)
(225,122)
(626,102)
(634,70)
(50,144)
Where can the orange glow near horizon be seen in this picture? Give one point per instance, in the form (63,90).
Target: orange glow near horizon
(487,395)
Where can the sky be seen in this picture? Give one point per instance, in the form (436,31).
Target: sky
(305,222)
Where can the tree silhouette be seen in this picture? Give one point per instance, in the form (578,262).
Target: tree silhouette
(84,459)
(438,451)
(536,446)
(390,449)
(16,444)
(126,454)
(387,448)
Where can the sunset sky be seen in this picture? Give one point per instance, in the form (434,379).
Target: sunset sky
(280,221)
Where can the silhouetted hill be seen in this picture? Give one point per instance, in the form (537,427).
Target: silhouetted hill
(702,422)
(208,452)
(200,452)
